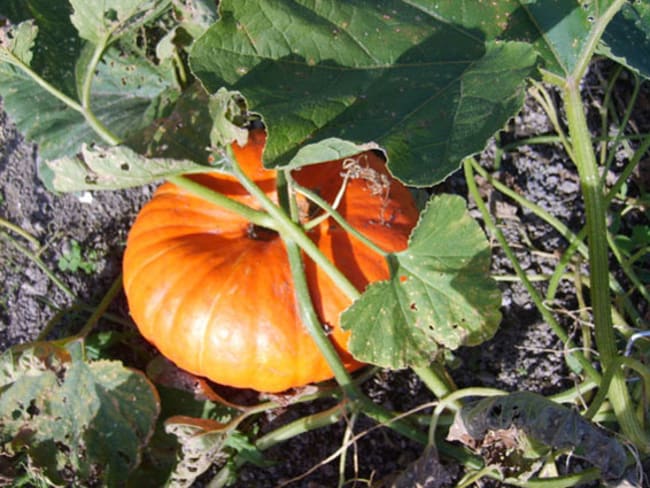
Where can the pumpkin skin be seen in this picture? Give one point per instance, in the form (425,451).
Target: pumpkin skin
(220,303)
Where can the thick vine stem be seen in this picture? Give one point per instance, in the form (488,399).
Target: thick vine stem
(254,216)
(293,232)
(315,329)
(595,210)
(312,322)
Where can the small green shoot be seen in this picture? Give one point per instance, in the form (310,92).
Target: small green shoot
(73,259)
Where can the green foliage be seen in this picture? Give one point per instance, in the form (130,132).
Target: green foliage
(74,259)
(196,16)
(110,168)
(78,422)
(627,38)
(114,19)
(129,90)
(132,91)
(369,72)
(57,45)
(97,345)
(439,293)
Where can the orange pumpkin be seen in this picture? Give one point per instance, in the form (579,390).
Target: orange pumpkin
(218,300)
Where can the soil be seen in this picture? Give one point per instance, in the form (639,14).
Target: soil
(524,354)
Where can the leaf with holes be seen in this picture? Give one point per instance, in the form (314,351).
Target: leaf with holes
(128,93)
(525,421)
(112,168)
(411,80)
(68,416)
(202,445)
(440,293)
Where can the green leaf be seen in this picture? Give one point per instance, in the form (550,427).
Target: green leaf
(70,416)
(440,293)
(558,29)
(330,149)
(16,44)
(195,16)
(627,38)
(128,93)
(105,22)
(429,91)
(112,168)
(182,134)
(229,116)
(57,45)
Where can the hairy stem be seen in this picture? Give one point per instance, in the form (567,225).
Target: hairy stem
(595,210)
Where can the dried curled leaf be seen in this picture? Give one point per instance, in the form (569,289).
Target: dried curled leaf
(522,420)
(202,442)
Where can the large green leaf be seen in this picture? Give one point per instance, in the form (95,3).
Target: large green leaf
(427,89)
(440,293)
(128,93)
(70,416)
(627,38)
(558,29)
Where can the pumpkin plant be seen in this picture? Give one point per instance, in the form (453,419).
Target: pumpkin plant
(213,291)
(275,278)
